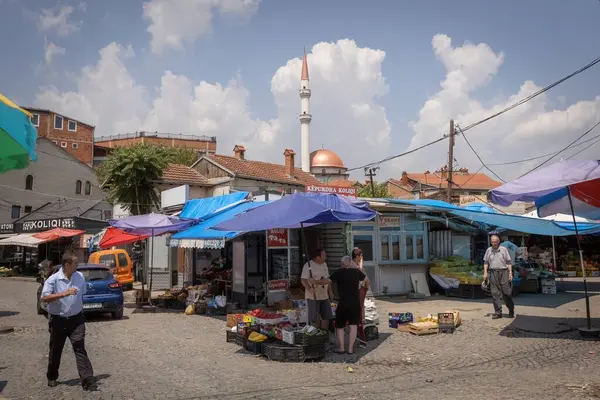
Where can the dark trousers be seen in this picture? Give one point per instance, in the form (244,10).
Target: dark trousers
(501,288)
(74,329)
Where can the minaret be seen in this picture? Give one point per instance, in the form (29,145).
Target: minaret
(305,116)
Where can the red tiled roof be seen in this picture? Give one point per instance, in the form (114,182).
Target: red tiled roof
(179,173)
(263,170)
(462,180)
(399,191)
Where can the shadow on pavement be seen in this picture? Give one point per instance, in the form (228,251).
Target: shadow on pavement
(101,317)
(2,385)
(8,313)
(77,382)
(546,327)
(333,358)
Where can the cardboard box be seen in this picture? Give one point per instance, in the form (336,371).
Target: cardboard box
(234,320)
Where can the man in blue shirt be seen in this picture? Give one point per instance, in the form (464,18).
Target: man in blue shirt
(63,292)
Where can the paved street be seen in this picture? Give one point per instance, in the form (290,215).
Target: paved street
(173,356)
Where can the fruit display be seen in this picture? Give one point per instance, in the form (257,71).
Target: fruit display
(262,314)
(458,268)
(5,271)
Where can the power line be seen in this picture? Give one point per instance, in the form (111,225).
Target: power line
(526,99)
(569,145)
(399,155)
(585,148)
(476,154)
(546,155)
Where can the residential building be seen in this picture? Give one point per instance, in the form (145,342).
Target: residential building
(57,174)
(73,136)
(434,185)
(256,177)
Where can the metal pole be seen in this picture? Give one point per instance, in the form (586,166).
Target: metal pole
(450,160)
(587,297)
(553,254)
(151,269)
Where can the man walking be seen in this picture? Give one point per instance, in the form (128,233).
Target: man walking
(63,292)
(318,292)
(498,263)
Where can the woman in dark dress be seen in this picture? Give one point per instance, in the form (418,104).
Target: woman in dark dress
(348,279)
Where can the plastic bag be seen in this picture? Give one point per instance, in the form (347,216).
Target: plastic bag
(212,304)
(189,310)
(221,301)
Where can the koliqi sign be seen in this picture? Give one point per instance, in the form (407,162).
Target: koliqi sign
(342,191)
(46,224)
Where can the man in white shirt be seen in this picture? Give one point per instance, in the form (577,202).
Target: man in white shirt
(318,292)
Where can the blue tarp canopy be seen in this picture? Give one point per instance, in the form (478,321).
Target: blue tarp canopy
(306,208)
(203,237)
(519,223)
(203,208)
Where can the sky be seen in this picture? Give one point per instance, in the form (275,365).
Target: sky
(386,76)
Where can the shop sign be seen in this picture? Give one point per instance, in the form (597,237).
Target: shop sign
(277,237)
(6,228)
(340,190)
(280,284)
(47,224)
(468,199)
(389,220)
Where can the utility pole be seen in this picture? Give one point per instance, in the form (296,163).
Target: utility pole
(370,172)
(450,160)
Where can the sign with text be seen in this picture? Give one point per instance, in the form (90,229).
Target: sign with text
(469,199)
(342,191)
(279,284)
(277,237)
(47,224)
(389,220)
(6,228)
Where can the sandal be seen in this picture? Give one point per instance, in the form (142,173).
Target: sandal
(338,351)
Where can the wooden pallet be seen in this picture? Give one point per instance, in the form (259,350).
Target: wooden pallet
(417,330)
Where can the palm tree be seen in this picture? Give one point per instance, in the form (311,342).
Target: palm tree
(128,175)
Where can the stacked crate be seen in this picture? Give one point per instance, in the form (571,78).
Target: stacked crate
(548,286)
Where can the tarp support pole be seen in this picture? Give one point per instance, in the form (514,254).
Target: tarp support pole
(585,290)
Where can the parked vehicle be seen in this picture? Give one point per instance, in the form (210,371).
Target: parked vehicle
(119,263)
(104,293)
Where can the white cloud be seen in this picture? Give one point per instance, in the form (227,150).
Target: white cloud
(520,133)
(51,50)
(175,22)
(107,96)
(58,20)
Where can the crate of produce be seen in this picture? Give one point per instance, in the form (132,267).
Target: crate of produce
(395,319)
(230,336)
(316,352)
(283,352)
(314,338)
(289,335)
(240,339)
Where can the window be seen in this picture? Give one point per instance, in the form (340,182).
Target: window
(96,274)
(365,243)
(78,187)
(414,238)
(72,126)
(63,145)
(123,263)
(75,145)
(390,246)
(15,212)
(58,122)
(29,182)
(55,142)
(35,119)
(88,188)
(108,260)
(27,209)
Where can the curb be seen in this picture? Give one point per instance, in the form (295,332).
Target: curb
(18,278)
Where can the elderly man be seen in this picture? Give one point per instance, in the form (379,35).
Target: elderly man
(497,265)
(318,292)
(63,292)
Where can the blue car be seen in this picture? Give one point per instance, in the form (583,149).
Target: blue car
(104,294)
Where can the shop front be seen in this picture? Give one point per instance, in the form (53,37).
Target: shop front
(394,246)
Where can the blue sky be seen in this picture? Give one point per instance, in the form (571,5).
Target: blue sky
(541,40)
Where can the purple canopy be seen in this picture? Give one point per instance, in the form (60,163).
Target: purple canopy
(151,224)
(549,187)
(300,208)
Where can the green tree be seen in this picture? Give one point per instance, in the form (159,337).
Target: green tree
(381,191)
(129,173)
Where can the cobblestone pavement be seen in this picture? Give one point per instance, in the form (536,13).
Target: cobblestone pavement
(173,356)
